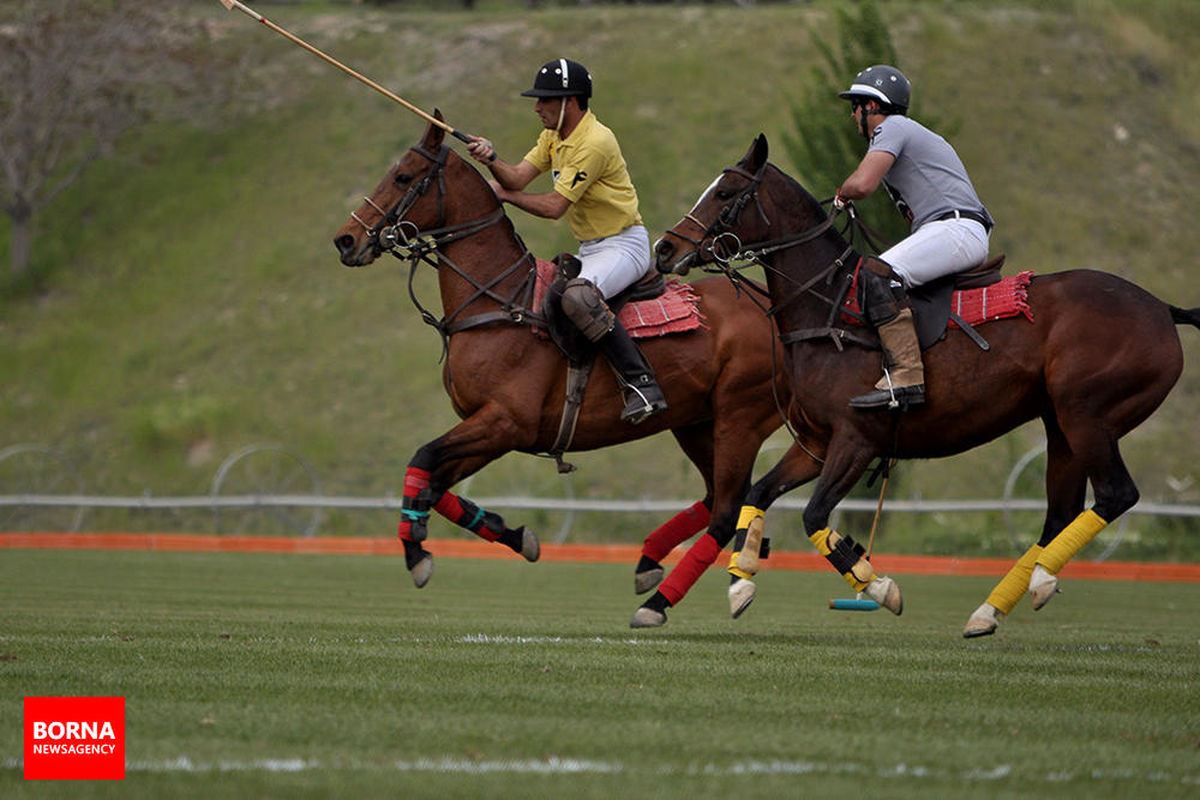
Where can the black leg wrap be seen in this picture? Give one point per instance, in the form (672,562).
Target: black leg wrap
(657,602)
(415,510)
(646,563)
(413,553)
(846,553)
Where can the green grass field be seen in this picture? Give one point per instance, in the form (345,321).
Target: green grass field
(314,676)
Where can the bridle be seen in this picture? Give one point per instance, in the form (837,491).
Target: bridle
(720,245)
(406,241)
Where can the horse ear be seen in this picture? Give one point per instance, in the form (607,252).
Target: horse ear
(758,152)
(434,134)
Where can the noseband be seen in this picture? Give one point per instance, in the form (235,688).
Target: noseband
(724,246)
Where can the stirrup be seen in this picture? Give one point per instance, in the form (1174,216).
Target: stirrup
(893,397)
(639,405)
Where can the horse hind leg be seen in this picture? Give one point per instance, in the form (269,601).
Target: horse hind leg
(1115,493)
(696,441)
(1066,485)
(665,538)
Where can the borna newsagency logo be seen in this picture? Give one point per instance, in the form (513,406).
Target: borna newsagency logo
(74,738)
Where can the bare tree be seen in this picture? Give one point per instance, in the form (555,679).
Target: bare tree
(75,77)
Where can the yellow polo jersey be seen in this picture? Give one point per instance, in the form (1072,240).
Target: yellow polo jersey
(590,171)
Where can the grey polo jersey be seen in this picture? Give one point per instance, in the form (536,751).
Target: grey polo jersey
(927,176)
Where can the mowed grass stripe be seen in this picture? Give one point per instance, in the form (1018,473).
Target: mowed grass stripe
(510,679)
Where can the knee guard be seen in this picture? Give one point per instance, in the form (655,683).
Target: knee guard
(584,305)
(876,298)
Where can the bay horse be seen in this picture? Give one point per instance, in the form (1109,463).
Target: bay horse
(508,385)
(1099,355)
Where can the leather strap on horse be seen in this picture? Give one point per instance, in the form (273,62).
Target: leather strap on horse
(578,374)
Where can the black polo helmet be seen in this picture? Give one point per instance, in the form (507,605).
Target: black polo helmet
(561,77)
(883,83)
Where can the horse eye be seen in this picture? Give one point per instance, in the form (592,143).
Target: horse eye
(403,179)
(724,194)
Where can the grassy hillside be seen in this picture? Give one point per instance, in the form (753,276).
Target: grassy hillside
(193,302)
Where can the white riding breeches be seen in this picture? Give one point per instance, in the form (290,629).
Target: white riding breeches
(615,262)
(937,249)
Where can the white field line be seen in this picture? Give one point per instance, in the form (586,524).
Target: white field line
(575,766)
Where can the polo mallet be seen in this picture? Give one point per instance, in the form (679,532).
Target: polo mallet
(232,4)
(858,603)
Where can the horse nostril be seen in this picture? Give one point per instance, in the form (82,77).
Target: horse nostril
(665,249)
(344,243)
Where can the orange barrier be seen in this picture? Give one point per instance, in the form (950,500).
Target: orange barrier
(589,553)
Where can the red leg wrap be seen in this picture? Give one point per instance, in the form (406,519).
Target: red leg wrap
(466,514)
(415,481)
(676,530)
(700,557)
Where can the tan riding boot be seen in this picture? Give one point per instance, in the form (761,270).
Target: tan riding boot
(903,382)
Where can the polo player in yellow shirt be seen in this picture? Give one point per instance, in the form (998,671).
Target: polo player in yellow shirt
(592,189)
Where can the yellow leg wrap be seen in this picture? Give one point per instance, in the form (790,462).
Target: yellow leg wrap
(859,575)
(1070,541)
(1011,588)
(744,563)
(749,514)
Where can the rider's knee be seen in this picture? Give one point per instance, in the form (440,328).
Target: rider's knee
(584,305)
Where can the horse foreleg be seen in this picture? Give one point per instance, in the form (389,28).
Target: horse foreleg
(1066,486)
(438,465)
(798,466)
(838,476)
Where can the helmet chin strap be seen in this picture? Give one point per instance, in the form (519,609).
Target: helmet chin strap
(562,111)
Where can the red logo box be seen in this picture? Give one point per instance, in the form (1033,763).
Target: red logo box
(74,738)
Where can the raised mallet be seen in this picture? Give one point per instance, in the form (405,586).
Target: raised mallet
(232,4)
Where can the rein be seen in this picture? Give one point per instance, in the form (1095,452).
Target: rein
(405,241)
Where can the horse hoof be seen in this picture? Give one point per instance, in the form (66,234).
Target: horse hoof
(886,592)
(647,579)
(983,622)
(531,549)
(741,595)
(1042,587)
(648,618)
(422,571)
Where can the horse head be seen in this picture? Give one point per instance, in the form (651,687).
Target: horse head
(412,200)
(714,229)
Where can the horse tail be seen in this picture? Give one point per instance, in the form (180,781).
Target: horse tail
(1184,316)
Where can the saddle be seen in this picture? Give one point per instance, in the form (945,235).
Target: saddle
(931,303)
(648,307)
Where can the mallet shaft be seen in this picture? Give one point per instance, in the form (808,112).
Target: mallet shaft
(232,4)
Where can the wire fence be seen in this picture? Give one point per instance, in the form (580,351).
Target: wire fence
(278,484)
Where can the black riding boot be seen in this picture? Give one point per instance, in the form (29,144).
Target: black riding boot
(643,396)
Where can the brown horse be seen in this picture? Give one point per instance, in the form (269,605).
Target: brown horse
(1098,358)
(508,385)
